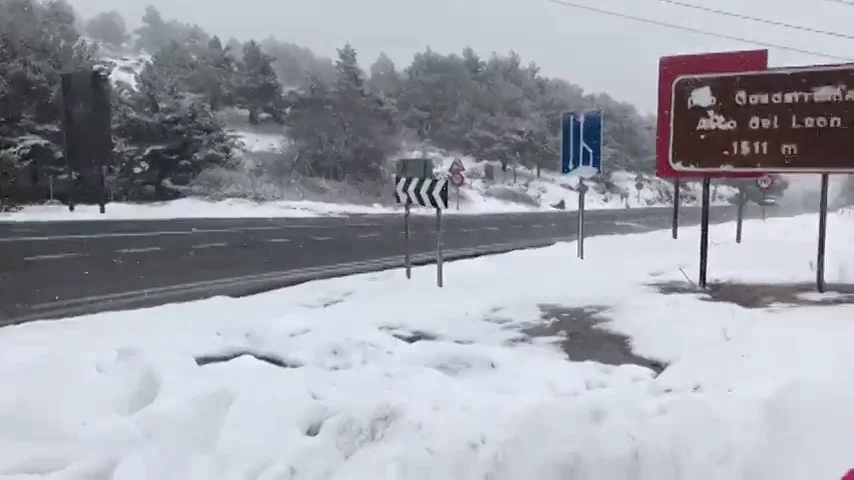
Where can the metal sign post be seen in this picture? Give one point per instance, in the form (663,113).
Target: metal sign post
(582,189)
(439,257)
(676,201)
(457,178)
(581,155)
(704,231)
(822,234)
(739,220)
(102,202)
(426,192)
(85,122)
(407,259)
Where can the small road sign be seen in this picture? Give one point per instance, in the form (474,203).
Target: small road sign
(639,185)
(457,167)
(581,143)
(765,182)
(793,120)
(457,179)
(426,192)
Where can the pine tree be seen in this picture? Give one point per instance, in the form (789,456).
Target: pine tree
(259,90)
(349,75)
(176,68)
(384,79)
(167,137)
(108,27)
(216,72)
(153,32)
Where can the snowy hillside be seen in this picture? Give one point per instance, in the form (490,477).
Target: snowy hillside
(511,191)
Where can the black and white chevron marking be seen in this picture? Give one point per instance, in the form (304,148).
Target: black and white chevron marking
(427,192)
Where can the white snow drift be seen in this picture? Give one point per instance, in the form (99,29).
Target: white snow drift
(343,390)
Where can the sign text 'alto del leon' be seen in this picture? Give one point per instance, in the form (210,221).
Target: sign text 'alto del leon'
(793,120)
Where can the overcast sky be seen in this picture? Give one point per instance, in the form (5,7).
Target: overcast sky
(599,52)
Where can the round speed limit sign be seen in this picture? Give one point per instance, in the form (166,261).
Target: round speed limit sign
(764,182)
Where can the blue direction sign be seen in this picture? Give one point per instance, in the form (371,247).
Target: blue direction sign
(581,143)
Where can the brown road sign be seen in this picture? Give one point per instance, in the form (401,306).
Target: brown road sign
(781,120)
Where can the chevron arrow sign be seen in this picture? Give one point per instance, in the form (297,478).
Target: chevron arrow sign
(426,192)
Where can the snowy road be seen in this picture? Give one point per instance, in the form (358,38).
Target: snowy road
(374,377)
(61,268)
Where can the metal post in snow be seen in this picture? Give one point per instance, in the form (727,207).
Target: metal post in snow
(676,202)
(407,261)
(822,234)
(739,220)
(582,189)
(102,196)
(704,232)
(458,198)
(439,259)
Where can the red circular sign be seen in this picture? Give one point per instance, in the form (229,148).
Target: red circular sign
(458,179)
(765,181)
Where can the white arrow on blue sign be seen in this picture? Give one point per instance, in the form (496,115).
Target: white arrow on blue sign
(581,143)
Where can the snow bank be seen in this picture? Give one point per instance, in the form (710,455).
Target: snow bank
(373,376)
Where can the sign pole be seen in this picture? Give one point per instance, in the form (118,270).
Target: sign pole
(102,202)
(704,232)
(739,221)
(822,233)
(582,188)
(407,261)
(458,198)
(676,202)
(439,259)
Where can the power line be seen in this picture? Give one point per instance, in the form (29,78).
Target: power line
(843,2)
(763,20)
(698,31)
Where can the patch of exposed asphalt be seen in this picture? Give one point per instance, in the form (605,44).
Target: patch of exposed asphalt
(750,295)
(585,338)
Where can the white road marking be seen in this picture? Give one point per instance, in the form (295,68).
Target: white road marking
(52,256)
(157,233)
(492,228)
(537,226)
(138,250)
(518,226)
(368,235)
(468,230)
(321,239)
(209,245)
(279,240)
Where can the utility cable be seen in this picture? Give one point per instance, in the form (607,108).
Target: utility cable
(760,20)
(698,31)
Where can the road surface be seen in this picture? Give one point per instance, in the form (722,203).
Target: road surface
(49,267)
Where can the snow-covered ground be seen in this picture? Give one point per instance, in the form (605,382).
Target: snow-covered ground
(186,208)
(378,377)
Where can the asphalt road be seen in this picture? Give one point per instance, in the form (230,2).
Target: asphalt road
(46,265)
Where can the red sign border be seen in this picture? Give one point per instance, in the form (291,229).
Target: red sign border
(674,66)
